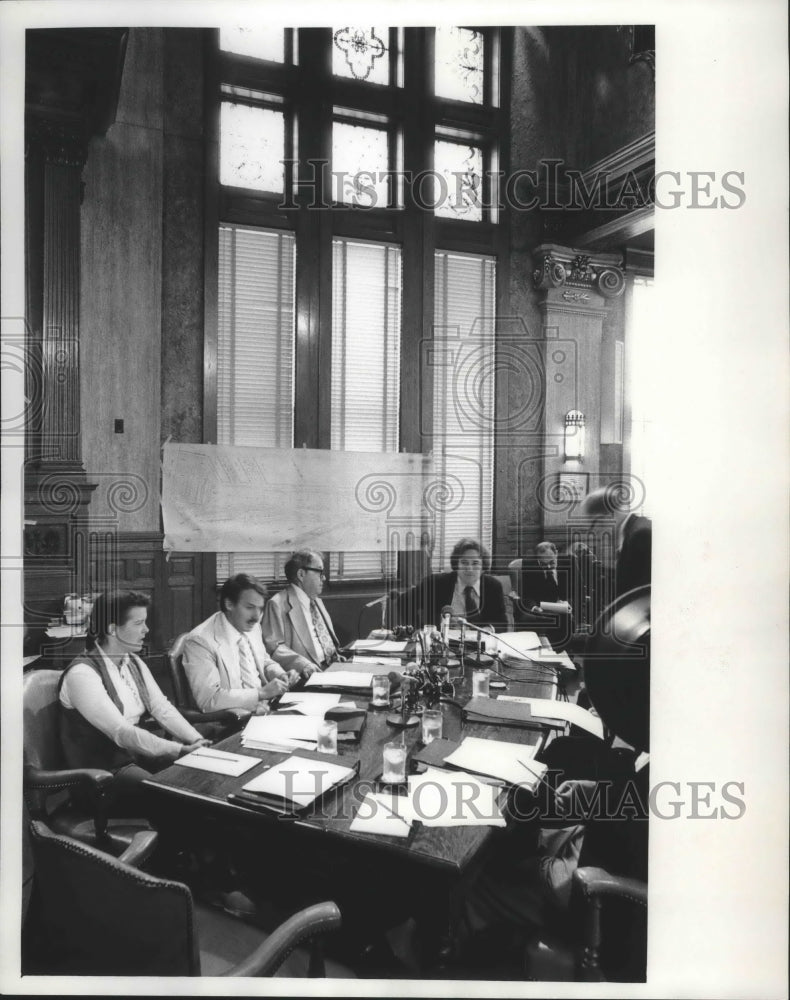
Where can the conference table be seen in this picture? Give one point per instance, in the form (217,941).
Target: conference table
(322,857)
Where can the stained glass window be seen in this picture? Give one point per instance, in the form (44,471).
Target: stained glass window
(252,147)
(360,158)
(362,54)
(262,43)
(459,64)
(459,195)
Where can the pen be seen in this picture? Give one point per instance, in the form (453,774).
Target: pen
(393,813)
(219,756)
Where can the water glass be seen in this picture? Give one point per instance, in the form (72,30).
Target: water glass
(380,688)
(327,737)
(431,725)
(480,679)
(394,764)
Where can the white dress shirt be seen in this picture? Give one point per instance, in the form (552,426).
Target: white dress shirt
(84,691)
(459,597)
(305,604)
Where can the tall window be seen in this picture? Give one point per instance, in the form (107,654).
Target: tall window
(330,270)
(463,397)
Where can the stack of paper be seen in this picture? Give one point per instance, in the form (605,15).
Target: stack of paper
(384,813)
(379,647)
(339,679)
(509,712)
(307,702)
(563,711)
(297,781)
(281,732)
(515,645)
(454,798)
(512,762)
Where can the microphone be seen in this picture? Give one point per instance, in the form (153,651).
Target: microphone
(379,600)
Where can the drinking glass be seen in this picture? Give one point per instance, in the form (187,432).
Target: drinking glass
(394,761)
(327,737)
(431,725)
(380,688)
(480,679)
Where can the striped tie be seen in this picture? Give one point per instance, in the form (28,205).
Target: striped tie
(249,673)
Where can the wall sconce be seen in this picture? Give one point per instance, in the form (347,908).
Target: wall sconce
(574,436)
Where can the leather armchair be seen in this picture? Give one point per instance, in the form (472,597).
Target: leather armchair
(596,886)
(48,783)
(93,914)
(224,721)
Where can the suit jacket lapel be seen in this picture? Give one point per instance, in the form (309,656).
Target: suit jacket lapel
(225,655)
(301,628)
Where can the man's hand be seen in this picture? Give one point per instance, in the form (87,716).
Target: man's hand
(189,747)
(309,670)
(293,678)
(274,688)
(567,797)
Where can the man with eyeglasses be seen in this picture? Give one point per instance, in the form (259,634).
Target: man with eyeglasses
(297,629)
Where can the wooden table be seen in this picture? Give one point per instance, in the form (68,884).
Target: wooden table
(424,866)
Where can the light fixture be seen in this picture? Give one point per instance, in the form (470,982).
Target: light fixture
(574,436)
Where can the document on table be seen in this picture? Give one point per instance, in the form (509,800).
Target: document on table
(512,762)
(218,761)
(514,643)
(277,732)
(454,798)
(564,711)
(339,678)
(366,660)
(384,813)
(391,646)
(299,780)
(308,702)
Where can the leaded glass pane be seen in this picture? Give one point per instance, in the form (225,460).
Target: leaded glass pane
(262,43)
(459,193)
(459,64)
(359,165)
(362,54)
(252,147)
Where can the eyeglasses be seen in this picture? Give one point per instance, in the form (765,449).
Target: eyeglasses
(315,569)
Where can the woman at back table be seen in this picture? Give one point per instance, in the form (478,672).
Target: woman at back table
(469,590)
(107,692)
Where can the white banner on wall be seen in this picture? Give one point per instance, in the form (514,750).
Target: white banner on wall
(218,498)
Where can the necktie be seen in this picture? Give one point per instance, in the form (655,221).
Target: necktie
(471,600)
(249,674)
(322,633)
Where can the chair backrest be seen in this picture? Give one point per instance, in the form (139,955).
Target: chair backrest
(506,588)
(182,693)
(514,571)
(40,720)
(97,916)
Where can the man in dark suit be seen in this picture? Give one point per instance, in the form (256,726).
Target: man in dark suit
(468,590)
(546,578)
(624,538)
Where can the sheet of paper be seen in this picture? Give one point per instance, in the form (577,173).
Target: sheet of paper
(299,779)
(384,813)
(514,643)
(276,728)
(366,660)
(308,702)
(339,678)
(512,762)
(454,798)
(379,646)
(565,711)
(218,761)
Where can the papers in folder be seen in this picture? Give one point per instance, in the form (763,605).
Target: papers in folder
(281,732)
(352,679)
(218,761)
(384,813)
(454,798)
(298,781)
(379,647)
(511,762)
(308,703)
(563,711)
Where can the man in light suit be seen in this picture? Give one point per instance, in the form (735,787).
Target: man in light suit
(225,660)
(297,629)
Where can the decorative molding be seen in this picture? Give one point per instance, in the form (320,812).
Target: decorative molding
(559,266)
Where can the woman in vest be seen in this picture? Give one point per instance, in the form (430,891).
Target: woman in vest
(107,692)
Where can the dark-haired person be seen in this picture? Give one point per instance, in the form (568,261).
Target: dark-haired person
(297,629)
(468,589)
(225,660)
(107,691)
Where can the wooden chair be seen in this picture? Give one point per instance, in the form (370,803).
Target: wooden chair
(92,914)
(225,721)
(48,782)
